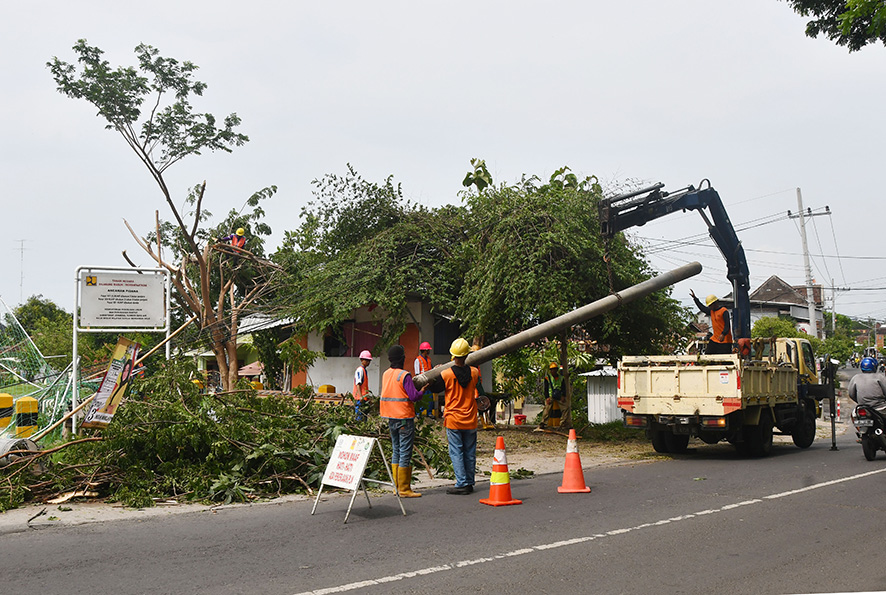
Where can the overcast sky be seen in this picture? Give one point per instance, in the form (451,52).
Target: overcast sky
(645,90)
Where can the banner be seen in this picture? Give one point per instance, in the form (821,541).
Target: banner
(114,385)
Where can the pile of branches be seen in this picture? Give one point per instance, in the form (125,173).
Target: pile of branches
(170,440)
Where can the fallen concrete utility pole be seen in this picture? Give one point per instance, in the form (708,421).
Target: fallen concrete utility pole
(570,319)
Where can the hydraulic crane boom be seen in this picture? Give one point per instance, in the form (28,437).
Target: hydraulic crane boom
(639,207)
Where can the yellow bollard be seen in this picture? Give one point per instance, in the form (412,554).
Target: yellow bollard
(554,420)
(5,410)
(27,410)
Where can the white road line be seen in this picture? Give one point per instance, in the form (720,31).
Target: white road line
(577,540)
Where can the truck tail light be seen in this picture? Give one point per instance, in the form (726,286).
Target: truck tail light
(713,422)
(738,380)
(635,421)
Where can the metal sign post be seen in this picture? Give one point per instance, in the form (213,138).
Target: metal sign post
(348,464)
(116,299)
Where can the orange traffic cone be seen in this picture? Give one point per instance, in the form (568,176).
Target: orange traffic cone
(573,477)
(500,482)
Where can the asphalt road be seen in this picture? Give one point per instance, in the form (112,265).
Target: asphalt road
(707,521)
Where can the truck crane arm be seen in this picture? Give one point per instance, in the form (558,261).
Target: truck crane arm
(639,207)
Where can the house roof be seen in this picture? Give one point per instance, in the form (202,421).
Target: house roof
(260,322)
(775,290)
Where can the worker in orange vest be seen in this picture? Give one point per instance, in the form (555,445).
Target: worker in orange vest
(461,384)
(721,329)
(361,386)
(421,365)
(237,239)
(398,395)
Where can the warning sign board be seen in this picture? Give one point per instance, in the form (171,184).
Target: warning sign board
(347,465)
(348,461)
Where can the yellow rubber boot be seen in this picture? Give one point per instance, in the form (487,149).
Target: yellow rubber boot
(405,475)
(395,476)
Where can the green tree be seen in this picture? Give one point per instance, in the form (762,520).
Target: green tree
(509,258)
(535,253)
(150,107)
(361,243)
(771,326)
(837,346)
(850,23)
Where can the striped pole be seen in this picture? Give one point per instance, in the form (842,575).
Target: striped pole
(5,410)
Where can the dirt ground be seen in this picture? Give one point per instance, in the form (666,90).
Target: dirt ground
(545,452)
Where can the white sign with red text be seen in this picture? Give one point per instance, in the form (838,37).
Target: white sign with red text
(348,461)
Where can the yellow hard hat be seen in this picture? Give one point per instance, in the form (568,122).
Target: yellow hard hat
(553,365)
(240,231)
(459,348)
(710,299)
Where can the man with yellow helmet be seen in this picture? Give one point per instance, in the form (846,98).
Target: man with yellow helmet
(721,330)
(461,383)
(237,239)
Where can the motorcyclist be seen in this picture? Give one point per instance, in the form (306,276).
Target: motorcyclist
(869,387)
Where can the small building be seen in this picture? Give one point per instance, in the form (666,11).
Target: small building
(602,395)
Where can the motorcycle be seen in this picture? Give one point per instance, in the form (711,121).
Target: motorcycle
(870,427)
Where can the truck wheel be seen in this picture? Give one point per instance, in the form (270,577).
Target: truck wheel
(676,443)
(759,438)
(804,432)
(868,447)
(659,441)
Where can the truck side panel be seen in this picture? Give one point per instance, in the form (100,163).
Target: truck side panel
(710,386)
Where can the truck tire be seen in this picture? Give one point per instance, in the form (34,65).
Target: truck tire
(676,443)
(758,439)
(868,447)
(803,433)
(659,442)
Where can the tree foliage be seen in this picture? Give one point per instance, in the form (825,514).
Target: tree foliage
(536,252)
(850,23)
(173,441)
(361,243)
(510,257)
(149,105)
(772,326)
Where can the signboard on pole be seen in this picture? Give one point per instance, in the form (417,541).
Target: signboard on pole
(118,299)
(114,385)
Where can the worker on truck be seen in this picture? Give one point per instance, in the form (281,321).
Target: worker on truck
(721,329)
(869,387)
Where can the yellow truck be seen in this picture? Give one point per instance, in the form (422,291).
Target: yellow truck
(743,400)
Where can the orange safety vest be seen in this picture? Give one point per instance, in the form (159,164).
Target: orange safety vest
(394,402)
(424,364)
(461,402)
(238,241)
(717,325)
(362,389)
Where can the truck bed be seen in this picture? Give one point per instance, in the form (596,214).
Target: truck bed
(709,385)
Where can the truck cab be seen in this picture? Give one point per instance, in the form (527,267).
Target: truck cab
(798,351)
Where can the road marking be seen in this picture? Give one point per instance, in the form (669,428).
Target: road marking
(578,540)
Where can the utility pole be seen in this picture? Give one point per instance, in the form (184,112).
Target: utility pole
(21,267)
(810,298)
(833,307)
